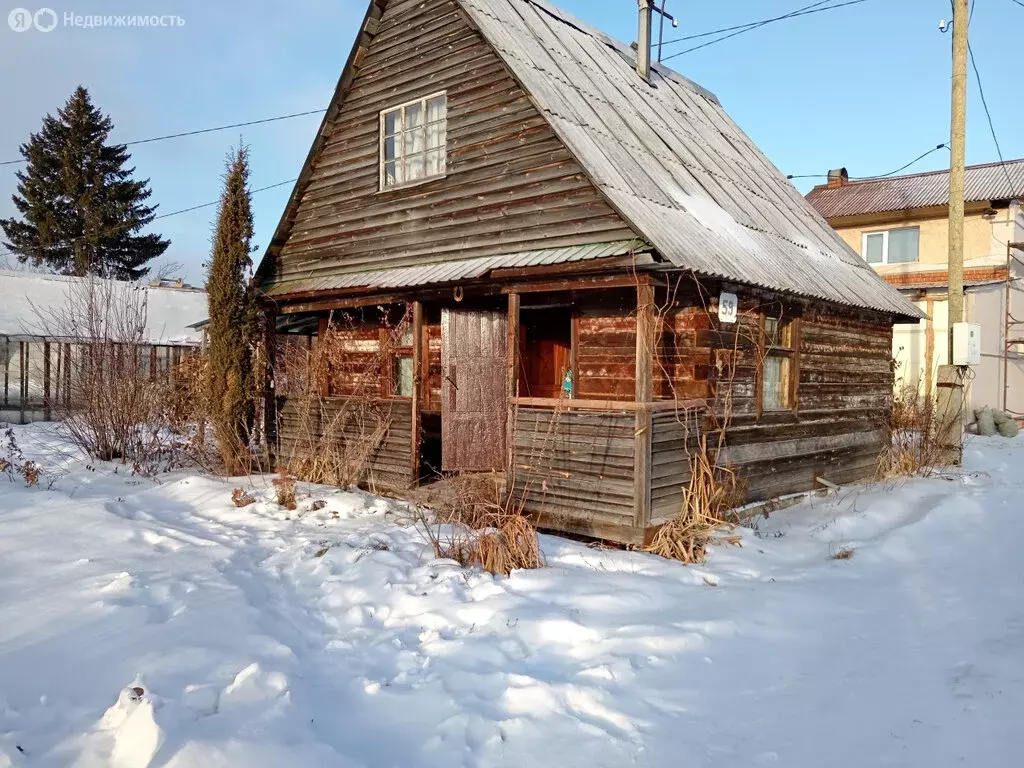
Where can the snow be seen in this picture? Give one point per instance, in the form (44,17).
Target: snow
(30,299)
(262,637)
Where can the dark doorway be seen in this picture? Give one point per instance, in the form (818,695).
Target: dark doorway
(545,350)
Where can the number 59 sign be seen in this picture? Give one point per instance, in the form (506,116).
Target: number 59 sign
(727,307)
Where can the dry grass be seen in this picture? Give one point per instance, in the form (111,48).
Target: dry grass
(843,553)
(474,526)
(707,499)
(241,499)
(914,430)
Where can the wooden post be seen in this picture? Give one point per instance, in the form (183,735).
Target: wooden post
(269,390)
(512,387)
(417,387)
(645,340)
(46,380)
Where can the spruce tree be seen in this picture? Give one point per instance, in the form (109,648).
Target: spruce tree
(81,211)
(231,395)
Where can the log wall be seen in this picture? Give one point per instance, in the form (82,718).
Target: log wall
(836,429)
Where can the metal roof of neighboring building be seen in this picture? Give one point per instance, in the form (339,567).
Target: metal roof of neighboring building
(34,305)
(673,164)
(990,181)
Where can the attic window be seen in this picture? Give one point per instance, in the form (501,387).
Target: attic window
(413,139)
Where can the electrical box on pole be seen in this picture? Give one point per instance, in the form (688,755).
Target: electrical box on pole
(966,344)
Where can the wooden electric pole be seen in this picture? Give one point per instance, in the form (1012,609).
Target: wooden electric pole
(951,380)
(958,117)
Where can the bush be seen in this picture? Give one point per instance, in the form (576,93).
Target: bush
(914,432)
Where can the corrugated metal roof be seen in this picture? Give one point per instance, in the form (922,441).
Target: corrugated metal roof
(35,305)
(918,190)
(454,271)
(672,162)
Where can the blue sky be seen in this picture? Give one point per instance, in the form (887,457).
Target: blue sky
(865,86)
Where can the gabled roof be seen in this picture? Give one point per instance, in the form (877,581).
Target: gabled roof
(982,183)
(669,160)
(32,301)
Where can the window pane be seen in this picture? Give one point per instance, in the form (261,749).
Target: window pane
(873,248)
(390,179)
(903,245)
(403,375)
(392,122)
(389,149)
(413,116)
(435,162)
(437,108)
(774,383)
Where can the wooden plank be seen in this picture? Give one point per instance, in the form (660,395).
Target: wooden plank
(417,387)
(512,382)
(645,329)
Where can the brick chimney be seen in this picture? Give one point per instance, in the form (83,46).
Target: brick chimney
(643,40)
(837,177)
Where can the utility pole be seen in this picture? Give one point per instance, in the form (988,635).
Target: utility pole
(950,395)
(958,117)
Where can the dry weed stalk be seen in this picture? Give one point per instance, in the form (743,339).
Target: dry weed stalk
(284,490)
(714,488)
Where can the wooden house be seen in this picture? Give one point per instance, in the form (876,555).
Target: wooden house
(593,263)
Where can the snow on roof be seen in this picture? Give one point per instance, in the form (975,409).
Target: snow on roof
(26,297)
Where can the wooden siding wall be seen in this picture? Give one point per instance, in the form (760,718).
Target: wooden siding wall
(575,469)
(511,184)
(301,426)
(675,437)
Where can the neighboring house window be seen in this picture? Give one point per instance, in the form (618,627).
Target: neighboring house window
(892,246)
(777,374)
(413,141)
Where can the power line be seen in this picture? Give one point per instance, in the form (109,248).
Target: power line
(193,208)
(988,116)
(1018,2)
(903,167)
(798,12)
(758,24)
(217,202)
(203,130)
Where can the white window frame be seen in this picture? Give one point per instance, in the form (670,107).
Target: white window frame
(885,245)
(383,186)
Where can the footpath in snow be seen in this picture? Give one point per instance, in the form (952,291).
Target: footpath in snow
(261,637)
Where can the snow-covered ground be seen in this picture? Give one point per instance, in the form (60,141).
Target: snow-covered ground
(331,637)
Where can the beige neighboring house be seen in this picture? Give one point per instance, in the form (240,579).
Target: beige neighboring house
(900,226)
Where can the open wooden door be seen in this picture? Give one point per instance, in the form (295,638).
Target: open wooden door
(474,351)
